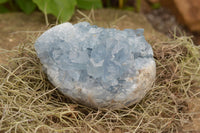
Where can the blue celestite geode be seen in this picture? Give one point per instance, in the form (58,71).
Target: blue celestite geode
(98,67)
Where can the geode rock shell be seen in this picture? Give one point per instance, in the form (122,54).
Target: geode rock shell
(97,67)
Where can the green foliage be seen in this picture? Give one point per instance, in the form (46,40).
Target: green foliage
(129,8)
(124,5)
(3,1)
(89,4)
(26,6)
(3,9)
(155,6)
(62,9)
(138,5)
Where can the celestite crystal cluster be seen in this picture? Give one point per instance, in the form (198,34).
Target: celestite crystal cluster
(98,67)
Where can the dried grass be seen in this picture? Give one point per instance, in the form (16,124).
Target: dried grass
(29,103)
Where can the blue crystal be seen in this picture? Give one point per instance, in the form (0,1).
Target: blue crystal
(96,66)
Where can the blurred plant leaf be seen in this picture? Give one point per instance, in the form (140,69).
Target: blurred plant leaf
(89,4)
(138,5)
(62,9)
(3,9)
(3,1)
(129,8)
(26,6)
(121,3)
(155,6)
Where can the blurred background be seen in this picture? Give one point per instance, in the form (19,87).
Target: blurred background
(21,21)
(166,16)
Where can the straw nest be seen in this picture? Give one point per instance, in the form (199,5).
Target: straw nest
(30,103)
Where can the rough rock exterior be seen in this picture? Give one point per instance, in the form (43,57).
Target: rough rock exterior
(101,68)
